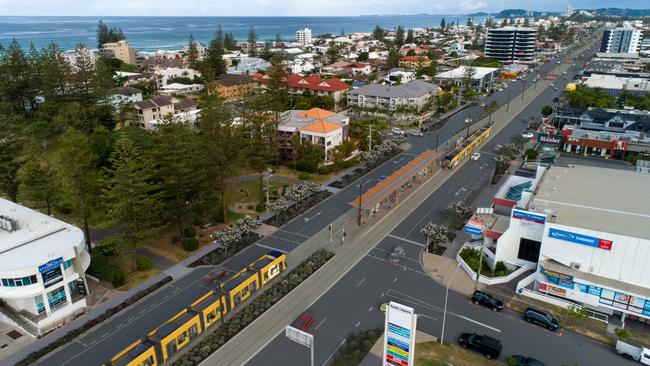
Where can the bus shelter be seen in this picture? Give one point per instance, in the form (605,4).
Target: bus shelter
(386,192)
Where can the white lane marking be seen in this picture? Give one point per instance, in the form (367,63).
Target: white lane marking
(462,189)
(321,323)
(395,280)
(360,282)
(372,307)
(476,322)
(336,350)
(358,324)
(406,240)
(422,219)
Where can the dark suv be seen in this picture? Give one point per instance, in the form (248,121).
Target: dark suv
(526,361)
(541,318)
(487,300)
(488,346)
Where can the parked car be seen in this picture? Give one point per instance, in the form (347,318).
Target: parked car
(476,156)
(527,135)
(540,317)
(396,254)
(638,353)
(487,300)
(304,322)
(486,345)
(520,360)
(416,133)
(556,99)
(397,131)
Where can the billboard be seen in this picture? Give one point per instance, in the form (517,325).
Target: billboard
(399,340)
(550,139)
(527,216)
(580,239)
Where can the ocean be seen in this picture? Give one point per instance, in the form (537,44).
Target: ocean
(171,33)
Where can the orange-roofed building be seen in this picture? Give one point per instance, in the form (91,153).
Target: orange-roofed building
(413,62)
(315,85)
(318,126)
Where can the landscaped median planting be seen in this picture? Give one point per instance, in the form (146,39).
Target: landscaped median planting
(254,309)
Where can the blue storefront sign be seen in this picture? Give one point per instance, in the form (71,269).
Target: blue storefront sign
(473,230)
(527,216)
(53,264)
(580,239)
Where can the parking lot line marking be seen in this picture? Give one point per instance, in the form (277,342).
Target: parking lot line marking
(321,323)
(406,240)
(360,282)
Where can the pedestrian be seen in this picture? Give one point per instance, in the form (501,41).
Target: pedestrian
(343,237)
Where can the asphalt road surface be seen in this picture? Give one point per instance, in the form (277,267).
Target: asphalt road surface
(101,343)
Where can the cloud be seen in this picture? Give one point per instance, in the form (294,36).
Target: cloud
(472,5)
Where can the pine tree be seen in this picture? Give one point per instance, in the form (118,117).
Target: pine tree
(399,36)
(192,52)
(393,58)
(10,163)
(443,24)
(259,135)
(278,40)
(84,69)
(16,77)
(252,42)
(410,38)
(214,64)
(133,196)
(229,41)
(378,33)
(55,71)
(178,168)
(38,178)
(80,183)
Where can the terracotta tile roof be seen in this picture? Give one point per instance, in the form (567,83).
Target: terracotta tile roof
(316,113)
(308,82)
(414,58)
(322,127)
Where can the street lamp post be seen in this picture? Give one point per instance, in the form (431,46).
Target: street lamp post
(508,105)
(360,221)
(523,90)
(444,313)
(437,142)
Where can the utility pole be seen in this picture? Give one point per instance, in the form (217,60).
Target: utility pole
(437,142)
(370,139)
(360,221)
(480,262)
(508,105)
(523,90)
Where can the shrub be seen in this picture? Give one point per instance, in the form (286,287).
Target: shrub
(189,232)
(304,176)
(102,268)
(324,170)
(64,207)
(500,269)
(250,207)
(191,244)
(108,248)
(510,361)
(261,207)
(143,263)
(622,333)
(531,154)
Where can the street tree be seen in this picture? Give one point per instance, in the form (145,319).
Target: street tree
(547,110)
(133,196)
(227,237)
(378,33)
(399,36)
(278,207)
(192,52)
(436,235)
(410,37)
(38,178)
(252,42)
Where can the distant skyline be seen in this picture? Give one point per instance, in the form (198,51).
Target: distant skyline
(288,7)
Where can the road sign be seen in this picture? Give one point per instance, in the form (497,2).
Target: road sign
(473,230)
(302,338)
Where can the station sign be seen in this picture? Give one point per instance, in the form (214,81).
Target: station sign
(587,240)
(399,340)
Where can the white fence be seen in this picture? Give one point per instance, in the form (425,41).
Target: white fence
(491,280)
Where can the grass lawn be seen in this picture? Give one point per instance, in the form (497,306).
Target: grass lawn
(315,177)
(132,278)
(434,354)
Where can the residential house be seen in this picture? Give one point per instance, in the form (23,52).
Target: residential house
(347,68)
(414,62)
(414,94)
(119,97)
(181,89)
(318,126)
(163,75)
(233,86)
(315,85)
(399,76)
(151,111)
(248,65)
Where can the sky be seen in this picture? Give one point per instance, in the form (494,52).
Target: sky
(290,7)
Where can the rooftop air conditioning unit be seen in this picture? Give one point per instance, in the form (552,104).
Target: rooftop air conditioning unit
(575,266)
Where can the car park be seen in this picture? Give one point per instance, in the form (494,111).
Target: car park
(476,156)
(486,345)
(396,254)
(519,360)
(486,299)
(542,318)
(397,131)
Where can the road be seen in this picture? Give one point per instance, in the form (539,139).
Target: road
(102,342)
(352,304)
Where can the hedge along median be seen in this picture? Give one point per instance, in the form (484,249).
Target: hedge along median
(254,309)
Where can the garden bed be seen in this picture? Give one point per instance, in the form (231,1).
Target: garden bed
(254,309)
(219,255)
(297,209)
(356,347)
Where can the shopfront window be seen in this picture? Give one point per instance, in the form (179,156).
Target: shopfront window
(40,307)
(56,297)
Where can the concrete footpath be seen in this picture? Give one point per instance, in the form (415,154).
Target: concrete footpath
(243,346)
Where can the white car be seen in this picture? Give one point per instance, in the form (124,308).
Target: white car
(397,131)
(476,156)
(527,135)
(416,133)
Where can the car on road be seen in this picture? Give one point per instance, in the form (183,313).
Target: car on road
(556,99)
(416,133)
(519,360)
(542,318)
(486,299)
(527,135)
(482,105)
(555,88)
(486,345)
(396,254)
(304,322)
(397,131)
(476,156)
(552,85)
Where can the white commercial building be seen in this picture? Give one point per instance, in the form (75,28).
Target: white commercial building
(42,266)
(621,40)
(588,231)
(303,36)
(482,78)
